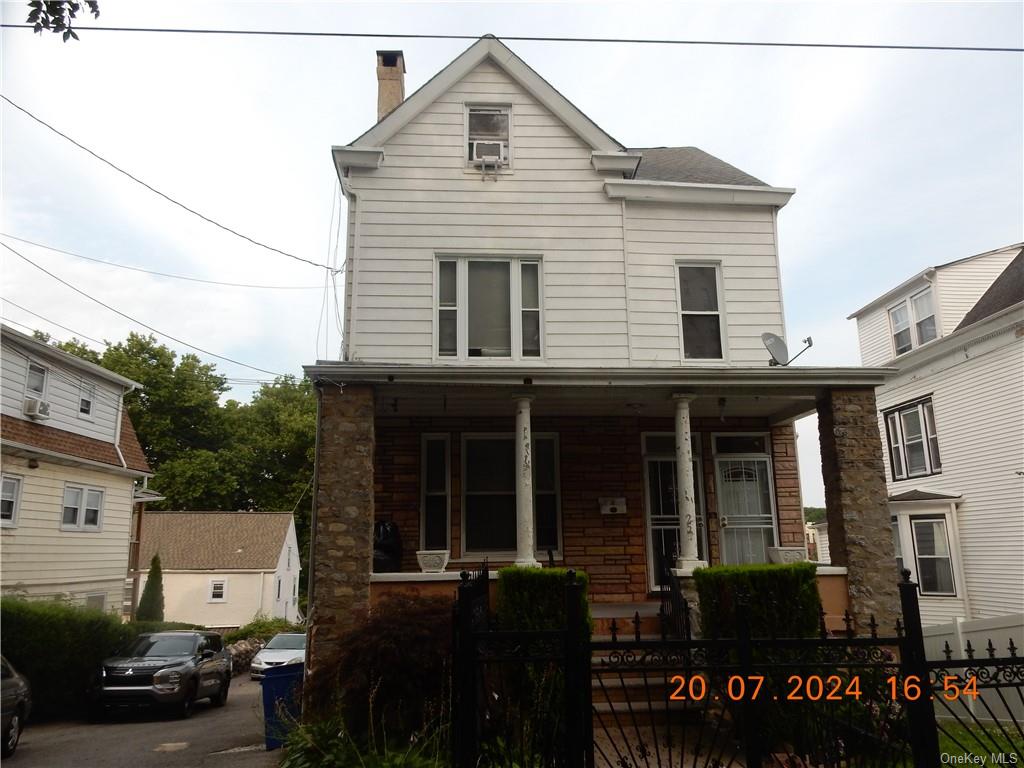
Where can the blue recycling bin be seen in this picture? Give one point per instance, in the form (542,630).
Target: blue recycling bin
(282,702)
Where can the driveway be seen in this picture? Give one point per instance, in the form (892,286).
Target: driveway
(231,737)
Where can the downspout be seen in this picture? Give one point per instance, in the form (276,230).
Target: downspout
(311,576)
(117,427)
(955,524)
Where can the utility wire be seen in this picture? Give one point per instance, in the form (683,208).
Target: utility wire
(161,274)
(158,192)
(77,334)
(542,39)
(132,319)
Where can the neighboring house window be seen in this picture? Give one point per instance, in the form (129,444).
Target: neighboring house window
(10,500)
(35,383)
(83,508)
(913,322)
(278,587)
(489,508)
(295,590)
(931,550)
(701,314)
(289,566)
(436,489)
(487,133)
(897,546)
(96,602)
(85,400)
(218,591)
(489,308)
(913,442)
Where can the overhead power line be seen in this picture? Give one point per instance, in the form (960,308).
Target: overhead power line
(78,334)
(161,274)
(543,39)
(134,320)
(156,191)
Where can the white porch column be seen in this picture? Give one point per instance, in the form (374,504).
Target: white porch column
(685,495)
(524,485)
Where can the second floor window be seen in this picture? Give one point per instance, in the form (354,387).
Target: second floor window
(85,399)
(35,383)
(912,440)
(700,308)
(83,508)
(488,308)
(913,322)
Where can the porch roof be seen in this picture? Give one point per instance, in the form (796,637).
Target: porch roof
(776,393)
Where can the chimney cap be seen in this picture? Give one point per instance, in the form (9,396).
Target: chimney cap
(398,56)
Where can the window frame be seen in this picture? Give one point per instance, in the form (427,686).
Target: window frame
(932,518)
(506,107)
(19,481)
(46,380)
(907,303)
(102,595)
(461,308)
(467,554)
(224,590)
(895,439)
(424,439)
(720,313)
(80,526)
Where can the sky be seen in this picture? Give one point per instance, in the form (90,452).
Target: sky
(901,159)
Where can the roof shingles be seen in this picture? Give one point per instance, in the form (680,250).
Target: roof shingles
(1005,291)
(47,438)
(689,165)
(214,541)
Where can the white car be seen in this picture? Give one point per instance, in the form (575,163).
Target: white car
(285,648)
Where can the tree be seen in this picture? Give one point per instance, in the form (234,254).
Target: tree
(814,514)
(57,15)
(151,604)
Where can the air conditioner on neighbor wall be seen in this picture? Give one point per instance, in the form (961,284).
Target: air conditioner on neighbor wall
(490,153)
(37,409)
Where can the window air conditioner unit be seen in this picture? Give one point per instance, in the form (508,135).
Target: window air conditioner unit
(490,153)
(35,408)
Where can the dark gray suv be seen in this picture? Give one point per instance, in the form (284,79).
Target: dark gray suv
(168,669)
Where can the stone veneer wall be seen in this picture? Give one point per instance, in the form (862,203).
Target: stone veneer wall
(598,456)
(859,529)
(343,536)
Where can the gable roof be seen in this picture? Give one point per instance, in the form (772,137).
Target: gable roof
(488,47)
(1005,291)
(213,541)
(689,165)
(72,361)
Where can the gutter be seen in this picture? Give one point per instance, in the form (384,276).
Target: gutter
(75,459)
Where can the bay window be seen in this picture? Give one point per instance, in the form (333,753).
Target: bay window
(488,307)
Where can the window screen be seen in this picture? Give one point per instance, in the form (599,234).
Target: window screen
(701,318)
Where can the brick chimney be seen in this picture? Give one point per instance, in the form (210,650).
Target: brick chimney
(390,81)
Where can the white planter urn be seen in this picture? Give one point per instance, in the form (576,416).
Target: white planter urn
(784,555)
(432,560)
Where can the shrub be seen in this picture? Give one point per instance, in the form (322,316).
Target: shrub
(327,744)
(534,598)
(142,627)
(262,628)
(58,647)
(783,599)
(151,604)
(393,669)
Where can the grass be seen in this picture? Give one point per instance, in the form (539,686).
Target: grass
(978,742)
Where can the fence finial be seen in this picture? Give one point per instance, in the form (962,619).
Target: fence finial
(899,627)
(848,621)
(905,573)
(947,651)
(873,626)
(969,650)
(991,649)
(1012,649)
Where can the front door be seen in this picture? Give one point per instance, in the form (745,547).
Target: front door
(745,509)
(663,524)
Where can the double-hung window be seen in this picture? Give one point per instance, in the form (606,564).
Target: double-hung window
(912,440)
(931,551)
(35,381)
(489,308)
(435,488)
(218,591)
(913,322)
(700,308)
(85,400)
(83,508)
(10,500)
(487,134)
(489,500)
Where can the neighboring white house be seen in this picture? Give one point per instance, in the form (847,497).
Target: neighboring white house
(953,424)
(221,569)
(70,461)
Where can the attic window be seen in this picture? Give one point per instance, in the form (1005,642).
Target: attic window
(487,132)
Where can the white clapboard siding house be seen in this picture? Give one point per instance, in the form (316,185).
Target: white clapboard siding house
(552,349)
(952,422)
(222,569)
(70,462)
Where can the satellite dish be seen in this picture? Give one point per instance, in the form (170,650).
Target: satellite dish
(777,348)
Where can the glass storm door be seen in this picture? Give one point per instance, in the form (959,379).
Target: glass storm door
(663,522)
(745,509)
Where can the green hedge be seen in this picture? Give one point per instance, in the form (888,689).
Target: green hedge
(534,598)
(781,597)
(262,628)
(59,647)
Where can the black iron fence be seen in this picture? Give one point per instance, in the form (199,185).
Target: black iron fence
(559,698)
